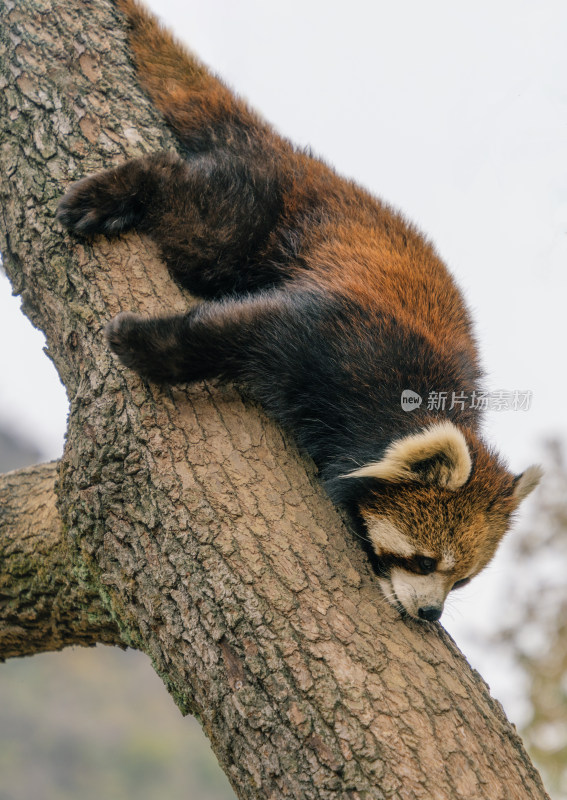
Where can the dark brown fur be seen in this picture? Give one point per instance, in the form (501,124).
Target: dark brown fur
(319,298)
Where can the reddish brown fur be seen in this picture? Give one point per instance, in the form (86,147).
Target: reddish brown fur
(378,270)
(468,523)
(321,299)
(181,87)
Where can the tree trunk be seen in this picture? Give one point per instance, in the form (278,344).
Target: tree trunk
(44,605)
(189,526)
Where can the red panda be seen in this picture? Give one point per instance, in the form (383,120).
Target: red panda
(327,305)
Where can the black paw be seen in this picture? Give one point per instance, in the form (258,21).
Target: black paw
(145,345)
(99,204)
(127,333)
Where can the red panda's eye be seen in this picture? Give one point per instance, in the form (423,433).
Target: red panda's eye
(458,584)
(426,565)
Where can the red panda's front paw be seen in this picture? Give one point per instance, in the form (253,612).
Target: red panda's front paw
(147,345)
(97,204)
(127,333)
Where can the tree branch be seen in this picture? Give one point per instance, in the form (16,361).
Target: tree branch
(43,603)
(212,547)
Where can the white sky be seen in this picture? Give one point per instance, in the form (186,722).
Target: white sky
(456,114)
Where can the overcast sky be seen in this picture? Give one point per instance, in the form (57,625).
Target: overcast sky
(457,115)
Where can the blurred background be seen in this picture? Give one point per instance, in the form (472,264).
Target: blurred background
(457,115)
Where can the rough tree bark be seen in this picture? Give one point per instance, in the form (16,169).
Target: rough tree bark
(44,605)
(187,525)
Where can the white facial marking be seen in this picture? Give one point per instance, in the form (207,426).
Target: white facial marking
(388,591)
(448,560)
(418,591)
(386,538)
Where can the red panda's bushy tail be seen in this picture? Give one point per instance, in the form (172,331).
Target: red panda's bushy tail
(198,106)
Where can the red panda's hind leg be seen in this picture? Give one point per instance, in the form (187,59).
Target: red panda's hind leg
(210,215)
(108,202)
(121,198)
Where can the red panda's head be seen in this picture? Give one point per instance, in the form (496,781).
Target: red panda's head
(441,504)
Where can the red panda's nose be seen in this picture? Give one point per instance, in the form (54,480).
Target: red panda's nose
(430,613)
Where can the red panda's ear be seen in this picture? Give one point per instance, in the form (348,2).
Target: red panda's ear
(526,483)
(437,456)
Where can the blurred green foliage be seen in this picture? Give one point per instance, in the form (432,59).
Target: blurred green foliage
(92,723)
(534,605)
